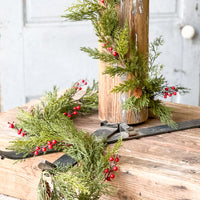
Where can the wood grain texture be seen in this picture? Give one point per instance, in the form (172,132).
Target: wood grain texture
(110,104)
(162,167)
(19,180)
(142,26)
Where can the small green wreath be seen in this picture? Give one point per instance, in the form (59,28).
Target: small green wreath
(121,55)
(48,126)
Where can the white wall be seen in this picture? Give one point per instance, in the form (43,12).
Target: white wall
(38,49)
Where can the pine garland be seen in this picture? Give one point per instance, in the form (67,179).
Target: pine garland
(121,55)
(48,122)
(52,119)
(84,181)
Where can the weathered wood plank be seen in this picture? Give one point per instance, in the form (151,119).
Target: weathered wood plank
(21,180)
(154,168)
(161,152)
(136,13)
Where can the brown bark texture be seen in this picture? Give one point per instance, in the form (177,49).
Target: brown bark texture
(110,104)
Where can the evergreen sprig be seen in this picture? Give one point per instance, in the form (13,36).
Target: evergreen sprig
(140,71)
(46,122)
(85,180)
(136,103)
(164,113)
(83,10)
(122,41)
(96,54)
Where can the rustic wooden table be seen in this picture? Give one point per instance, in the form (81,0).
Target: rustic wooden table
(162,167)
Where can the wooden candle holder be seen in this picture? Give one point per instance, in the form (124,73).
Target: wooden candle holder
(110,104)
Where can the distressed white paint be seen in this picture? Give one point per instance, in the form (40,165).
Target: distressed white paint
(162,7)
(38,49)
(134,7)
(180,56)
(45,11)
(11,54)
(140,6)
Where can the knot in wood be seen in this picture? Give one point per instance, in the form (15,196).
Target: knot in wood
(138,92)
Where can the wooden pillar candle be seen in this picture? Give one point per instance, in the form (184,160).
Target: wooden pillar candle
(136,12)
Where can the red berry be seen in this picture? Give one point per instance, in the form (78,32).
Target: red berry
(115,53)
(169,94)
(19,132)
(74,108)
(103,45)
(75,87)
(174,93)
(166,93)
(36,153)
(37,148)
(50,146)
(78,107)
(110,48)
(54,142)
(115,168)
(74,113)
(49,142)
(65,113)
(23,134)
(166,89)
(117,159)
(111,158)
(85,83)
(112,176)
(102,1)
(165,96)
(106,171)
(173,88)
(80,88)
(77,83)
(108,178)
(44,149)
(69,115)
(11,125)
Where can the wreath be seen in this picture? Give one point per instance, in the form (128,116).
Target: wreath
(49,125)
(121,55)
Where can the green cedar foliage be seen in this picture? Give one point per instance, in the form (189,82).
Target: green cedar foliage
(86,180)
(47,122)
(145,72)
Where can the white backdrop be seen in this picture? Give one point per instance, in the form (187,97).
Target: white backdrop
(38,49)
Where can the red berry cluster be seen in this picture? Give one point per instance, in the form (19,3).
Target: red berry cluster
(44,148)
(74,112)
(11,125)
(19,131)
(169,91)
(79,85)
(112,168)
(110,49)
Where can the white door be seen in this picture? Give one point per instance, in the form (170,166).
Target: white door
(38,49)
(180,56)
